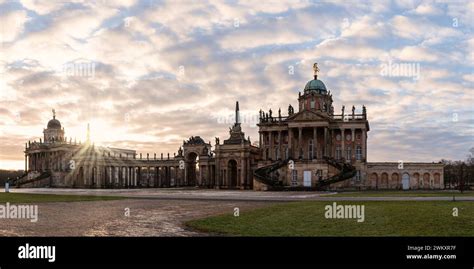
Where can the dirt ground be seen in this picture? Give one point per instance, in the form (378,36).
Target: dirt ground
(108,218)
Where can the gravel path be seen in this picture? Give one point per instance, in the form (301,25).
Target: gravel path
(231,195)
(107,218)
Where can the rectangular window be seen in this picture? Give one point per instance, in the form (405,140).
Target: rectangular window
(348,154)
(312,104)
(357,176)
(359,153)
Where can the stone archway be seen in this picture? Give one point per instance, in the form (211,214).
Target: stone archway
(374,178)
(192,168)
(418,182)
(395,181)
(384,180)
(426,180)
(80,177)
(232,173)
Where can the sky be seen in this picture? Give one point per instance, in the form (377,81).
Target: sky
(147,75)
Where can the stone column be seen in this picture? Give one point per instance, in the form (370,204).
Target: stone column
(110,175)
(364,147)
(185,174)
(139,176)
(343,152)
(315,142)
(147,176)
(177,176)
(158,176)
(249,175)
(290,137)
(127,176)
(243,172)
(271,146)
(300,141)
(353,143)
(279,145)
(325,149)
(199,181)
(134,176)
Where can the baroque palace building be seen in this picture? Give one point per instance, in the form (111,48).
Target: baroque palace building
(313,148)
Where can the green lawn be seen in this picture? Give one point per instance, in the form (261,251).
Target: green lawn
(402,194)
(382,218)
(42,198)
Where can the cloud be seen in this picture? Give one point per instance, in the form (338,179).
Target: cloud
(365,27)
(428,9)
(13,24)
(162,71)
(415,53)
(421,28)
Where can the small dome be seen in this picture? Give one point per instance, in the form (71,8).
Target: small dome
(54,124)
(316,85)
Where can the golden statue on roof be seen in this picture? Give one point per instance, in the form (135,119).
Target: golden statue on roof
(316,69)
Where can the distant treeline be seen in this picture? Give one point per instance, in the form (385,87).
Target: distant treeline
(459,174)
(6,174)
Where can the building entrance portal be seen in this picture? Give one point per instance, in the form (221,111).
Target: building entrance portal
(192,169)
(232,170)
(406,181)
(307,179)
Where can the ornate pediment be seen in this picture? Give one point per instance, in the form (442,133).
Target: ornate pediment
(307,115)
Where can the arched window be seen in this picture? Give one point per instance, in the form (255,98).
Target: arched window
(384,179)
(313,104)
(359,153)
(417,180)
(426,179)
